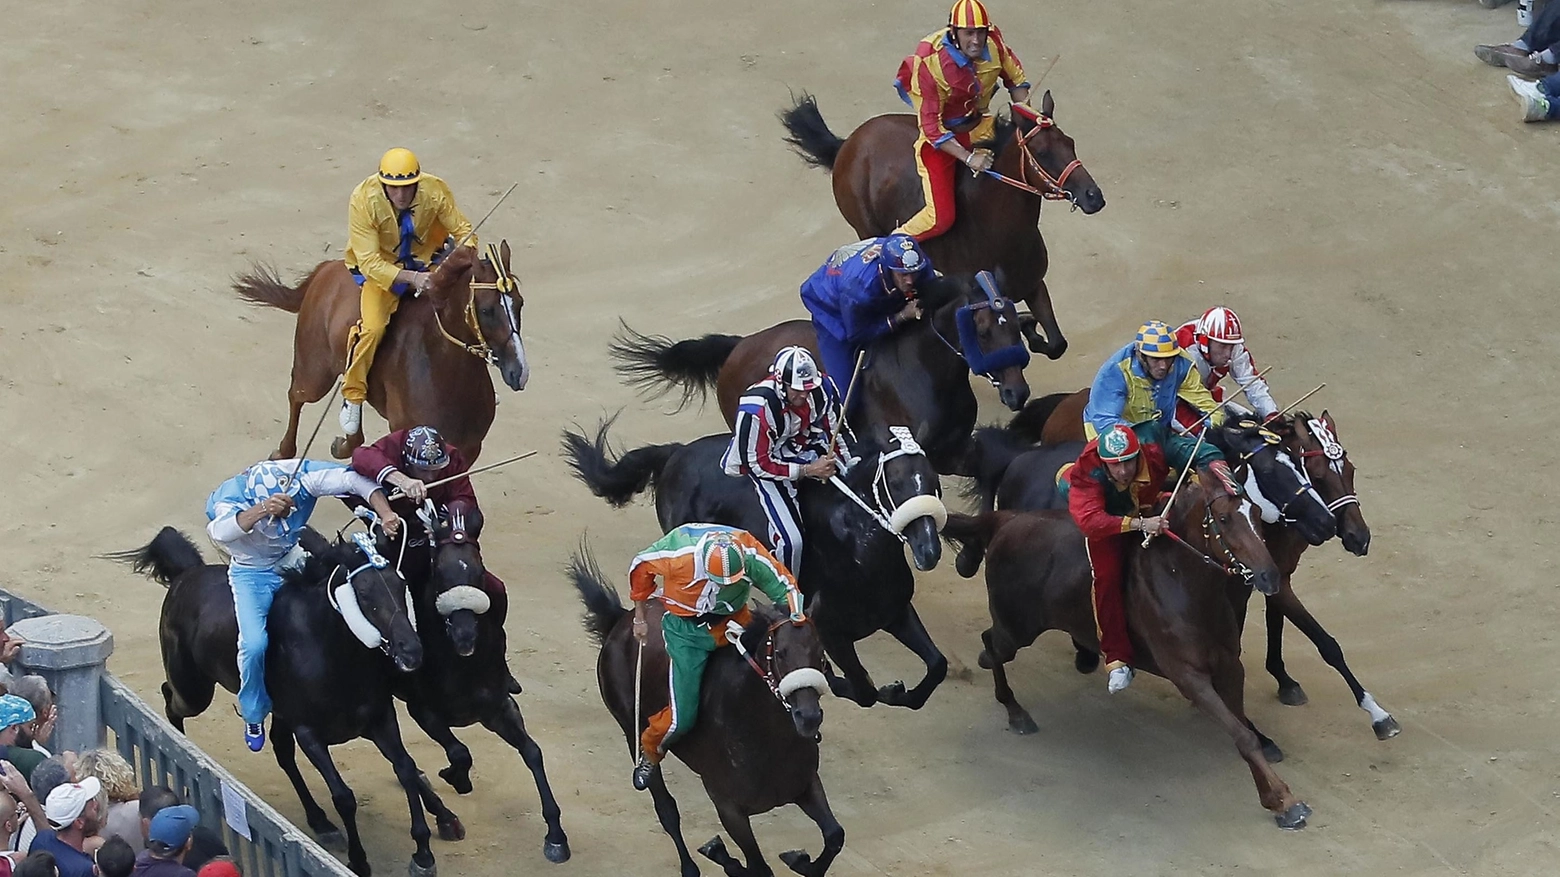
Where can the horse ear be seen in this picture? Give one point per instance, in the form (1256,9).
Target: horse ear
(1047,105)
(503,253)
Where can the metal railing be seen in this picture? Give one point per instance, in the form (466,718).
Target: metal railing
(161,755)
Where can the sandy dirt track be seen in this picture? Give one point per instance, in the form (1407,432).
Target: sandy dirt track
(1344,173)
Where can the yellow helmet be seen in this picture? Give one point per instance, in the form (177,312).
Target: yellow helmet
(399,167)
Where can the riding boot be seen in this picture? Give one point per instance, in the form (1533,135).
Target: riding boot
(645,771)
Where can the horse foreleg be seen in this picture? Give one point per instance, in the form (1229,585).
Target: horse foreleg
(284,747)
(912,633)
(816,805)
(340,795)
(995,660)
(386,735)
(509,724)
(458,774)
(1381,721)
(856,685)
(1288,811)
(1289,691)
(740,827)
(1053,345)
(671,822)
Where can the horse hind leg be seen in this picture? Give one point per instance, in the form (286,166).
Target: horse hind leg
(816,805)
(740,827)
(284,748)
(913,635)
(856,685)
(186,694)
(671,822)
(509,725)
(1053,344)
(310,383)
(995,660)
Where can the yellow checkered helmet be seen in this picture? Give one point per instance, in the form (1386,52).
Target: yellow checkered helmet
(722,558)
(1155,339)
(968,14)
(399,167)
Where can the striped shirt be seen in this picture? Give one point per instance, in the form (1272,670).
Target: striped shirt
(771,439)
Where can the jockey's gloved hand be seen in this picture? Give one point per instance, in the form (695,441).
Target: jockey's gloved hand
(847,463)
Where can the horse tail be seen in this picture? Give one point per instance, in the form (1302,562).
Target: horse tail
(169,555)
(616,481)
(654,364)
(1028,423)
(971,534)
(810,135)
(995,449)
(603,609)
(261,285)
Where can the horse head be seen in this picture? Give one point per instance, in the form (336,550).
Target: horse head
(793,662)
(895,477)
(1219,521)
(372,598)
(982,325)
(1049,160)
(489,307)
(1315,441)
(458,572)
(1273,478)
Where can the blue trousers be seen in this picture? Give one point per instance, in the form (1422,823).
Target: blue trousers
(839,358)
(253,590)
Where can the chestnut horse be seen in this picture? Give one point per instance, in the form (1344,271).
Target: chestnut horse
(431,368)
(1182,624)
(997,227)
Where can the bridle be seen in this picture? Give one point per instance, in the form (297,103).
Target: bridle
(1049,187)
(1334,452)
(1272,442)
(506,285)
(1213,535)
(882,498)
(978,361)
(767,671)
(372,559)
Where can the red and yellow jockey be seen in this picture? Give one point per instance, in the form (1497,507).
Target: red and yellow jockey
(949,82)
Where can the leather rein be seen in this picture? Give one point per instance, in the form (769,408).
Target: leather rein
(506,285)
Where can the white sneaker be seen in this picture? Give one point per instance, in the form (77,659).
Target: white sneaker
(351,417)
(1523,87)
(1120,678)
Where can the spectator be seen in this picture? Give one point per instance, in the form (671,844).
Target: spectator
(1533,54)
(72,811)
(168,843)
(10,647)
(115,859)
(222,867)
(123,818)
(50,774)
(35,690)
(205,844)
(19,805)
(39,864)
(14,713)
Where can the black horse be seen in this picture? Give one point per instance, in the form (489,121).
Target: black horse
(464,678)
(918,376)
(853,565)
(326,686)
(755,745)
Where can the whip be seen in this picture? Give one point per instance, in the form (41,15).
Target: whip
(479,470)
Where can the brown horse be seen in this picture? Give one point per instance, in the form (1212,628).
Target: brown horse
(997,226)
(755,745)
(1182,624)
(431,368)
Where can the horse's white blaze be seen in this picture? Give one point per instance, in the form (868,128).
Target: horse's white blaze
(803,677)
(1247,508)
(1269,510)
(1369,705)
(1310,489)
(919,506)
(515,340)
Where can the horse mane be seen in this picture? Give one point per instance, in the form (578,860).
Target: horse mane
(323,558)
(940,290)
(1001,135)
(764,616)
(449,271)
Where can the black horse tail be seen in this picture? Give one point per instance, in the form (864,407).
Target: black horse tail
(169,555)
(603,609)
(1028,423)
(261,285)
(619,481)
(971,534)
(995,449)
(810,135)
(654,364)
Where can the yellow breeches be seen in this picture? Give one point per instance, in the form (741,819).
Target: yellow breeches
(377,305)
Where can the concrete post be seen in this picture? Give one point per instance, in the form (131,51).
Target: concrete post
(70,651)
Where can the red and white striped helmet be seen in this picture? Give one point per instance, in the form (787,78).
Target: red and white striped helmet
(1219,324)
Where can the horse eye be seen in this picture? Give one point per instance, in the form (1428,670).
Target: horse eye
(488,311)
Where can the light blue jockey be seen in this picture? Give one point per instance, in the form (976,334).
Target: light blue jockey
(257,517)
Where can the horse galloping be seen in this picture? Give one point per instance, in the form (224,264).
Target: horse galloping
(431,368)
(998,226)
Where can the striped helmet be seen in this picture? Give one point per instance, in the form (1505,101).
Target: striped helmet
(968,13)
(399,167)
(1155,339)
(1219,324)
(721,557)
(795,369)
(1118,444)
(425,449)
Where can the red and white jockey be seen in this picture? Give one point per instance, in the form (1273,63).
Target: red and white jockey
(1215,343)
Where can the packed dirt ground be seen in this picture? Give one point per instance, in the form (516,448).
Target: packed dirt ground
(1345,174)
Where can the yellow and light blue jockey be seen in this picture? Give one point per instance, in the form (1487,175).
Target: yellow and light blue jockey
(1141,381)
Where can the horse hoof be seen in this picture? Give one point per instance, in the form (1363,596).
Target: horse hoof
(892,694)
(452,830)
(1086,662)
(557,853)
(1271,753)
(331,839)
(339,449)
(984,660)
(1294,818)
(796,860)
(1023,726)
(1387,728)
(715,850)
(459,780)
(415,870)
(1292,695)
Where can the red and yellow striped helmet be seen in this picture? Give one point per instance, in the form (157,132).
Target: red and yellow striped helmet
(722,558)
(968,14)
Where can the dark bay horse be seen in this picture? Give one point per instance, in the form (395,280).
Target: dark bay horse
(327,687)
(755,745)
(1178,611)
(464,677)
(853,574)
(997,226)
(917,376)
(431,368)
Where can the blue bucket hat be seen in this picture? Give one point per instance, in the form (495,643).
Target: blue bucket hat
(15,711)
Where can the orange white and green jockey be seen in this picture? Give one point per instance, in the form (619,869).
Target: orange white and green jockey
(707,572)
(949,82)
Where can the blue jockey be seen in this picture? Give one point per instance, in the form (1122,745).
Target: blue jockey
(864,291)
(257,517)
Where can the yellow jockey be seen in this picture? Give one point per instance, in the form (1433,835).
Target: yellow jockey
(398,221)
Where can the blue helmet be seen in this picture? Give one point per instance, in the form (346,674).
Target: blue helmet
(902,253)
